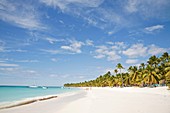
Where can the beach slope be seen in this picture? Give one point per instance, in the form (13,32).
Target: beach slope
(104,100)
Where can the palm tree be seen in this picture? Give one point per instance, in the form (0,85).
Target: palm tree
(153,61)
(134,74)
(117,80)
(167,75)
(165,57)
(116,71)
(127,79)
(142,65)
(150,76)
(119,66)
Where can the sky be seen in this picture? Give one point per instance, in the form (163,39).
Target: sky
(52,42)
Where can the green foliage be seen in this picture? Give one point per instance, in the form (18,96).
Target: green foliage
(155,71)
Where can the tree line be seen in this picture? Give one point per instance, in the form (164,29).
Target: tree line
(155,72)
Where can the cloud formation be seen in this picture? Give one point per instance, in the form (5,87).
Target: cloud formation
(20,14)
(53,40)
(8,65)
(116,50)
(135,50)
(154,50)
(154,28)
(131,61)
(111,52)
(65,4)
(74,46)
(139,50)
(51,51)
(95,12)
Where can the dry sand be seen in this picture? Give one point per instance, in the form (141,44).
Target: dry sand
(103,100)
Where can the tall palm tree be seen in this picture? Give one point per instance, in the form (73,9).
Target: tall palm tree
(142,65)
(119,66)
(165,57)
(154,61)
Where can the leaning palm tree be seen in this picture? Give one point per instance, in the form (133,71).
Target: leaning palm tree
(127,79)
(119,66)
(150,76)
(135,75)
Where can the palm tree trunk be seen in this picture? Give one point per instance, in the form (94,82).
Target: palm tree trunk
(121,77)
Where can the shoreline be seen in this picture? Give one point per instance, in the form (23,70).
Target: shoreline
(26,101)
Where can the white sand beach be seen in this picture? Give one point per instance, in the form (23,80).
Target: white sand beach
(103,100)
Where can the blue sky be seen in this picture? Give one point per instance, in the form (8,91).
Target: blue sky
(52,42)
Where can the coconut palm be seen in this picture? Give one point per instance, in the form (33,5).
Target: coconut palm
(135,75)
(116,71)
(119,66)
(127,79)
(150,76)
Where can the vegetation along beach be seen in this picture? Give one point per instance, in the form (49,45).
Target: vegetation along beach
(84,56)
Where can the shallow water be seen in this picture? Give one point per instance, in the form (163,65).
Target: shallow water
(15,93)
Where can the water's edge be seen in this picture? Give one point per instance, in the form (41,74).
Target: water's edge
(36,99)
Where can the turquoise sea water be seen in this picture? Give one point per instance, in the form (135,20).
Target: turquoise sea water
(15,93)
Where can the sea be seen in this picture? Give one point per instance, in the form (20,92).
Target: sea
(17,93)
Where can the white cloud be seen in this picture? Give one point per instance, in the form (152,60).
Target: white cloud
(154,50)
(50,51)
(30,71)
(111,52)
(8,69)
(131,6)
(72,47)
(131,61)
(89,42)
(112,56)
(110,43)
(64,4)
(53,40)
(21,14)
(120,45)
(154,28)
(13,50)
(139,50)
(90,11)
(75,46)
(54,59)
(135,50)
(20,50)
(2,48)
(110,32)
(8,65)
(94,13)
(99,56)
(27,61)
(147,8)
(61,21)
